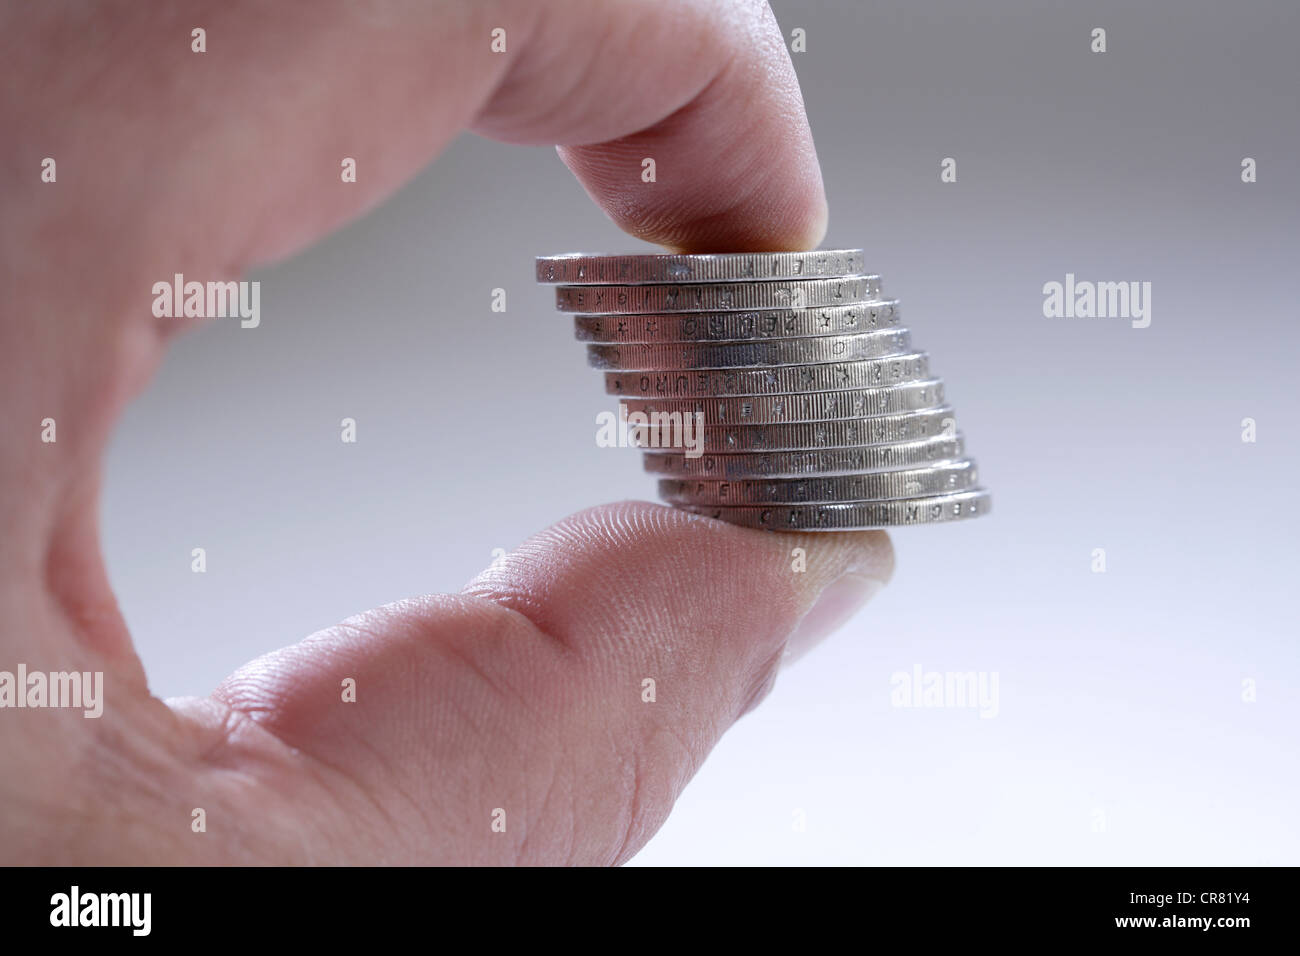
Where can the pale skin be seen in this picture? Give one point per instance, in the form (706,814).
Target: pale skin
(524,690)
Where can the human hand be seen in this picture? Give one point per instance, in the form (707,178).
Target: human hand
(522,692)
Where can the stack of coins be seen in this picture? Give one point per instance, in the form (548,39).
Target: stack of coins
(772,390)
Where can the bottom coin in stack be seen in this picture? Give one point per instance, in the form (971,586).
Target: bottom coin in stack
(852,515)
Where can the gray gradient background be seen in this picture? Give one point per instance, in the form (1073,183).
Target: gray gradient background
(1119,692)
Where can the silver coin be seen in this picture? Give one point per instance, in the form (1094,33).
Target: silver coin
(713,297)
(807,407)
(582,269)
(870,373)
(853,516)
(805,351)
(947,478)
(877,430)
(794,464)
(736,326)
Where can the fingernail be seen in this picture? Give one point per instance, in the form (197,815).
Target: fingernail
(839,602)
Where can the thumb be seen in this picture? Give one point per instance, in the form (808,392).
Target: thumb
(575,686)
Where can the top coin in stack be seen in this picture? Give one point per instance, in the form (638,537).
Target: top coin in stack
(780,388)
(581,269)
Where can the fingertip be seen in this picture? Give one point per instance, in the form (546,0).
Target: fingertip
(685,124)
